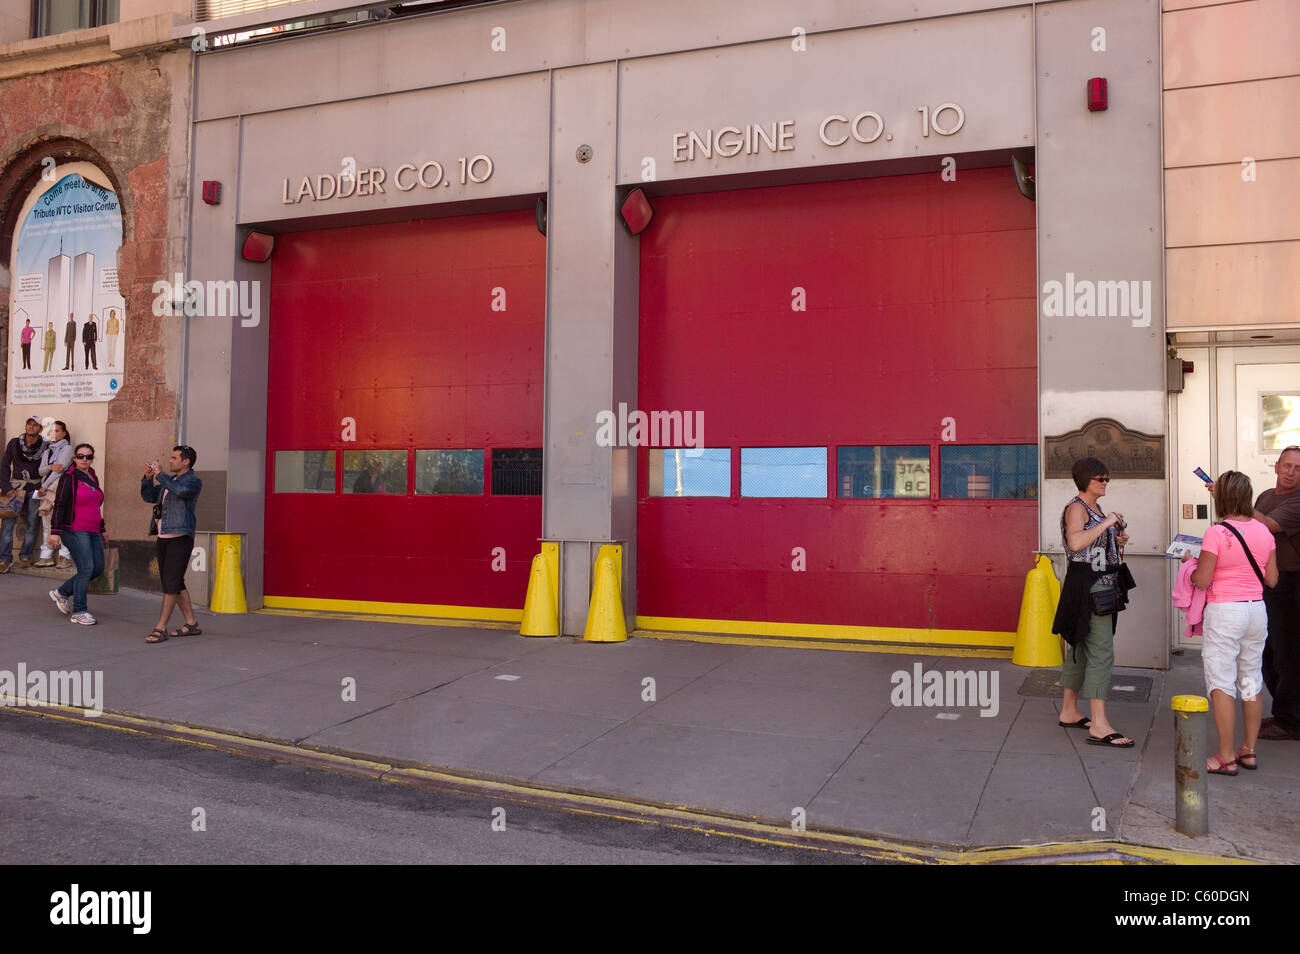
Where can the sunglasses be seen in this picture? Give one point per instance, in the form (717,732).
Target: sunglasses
(85,457)
(1102,480)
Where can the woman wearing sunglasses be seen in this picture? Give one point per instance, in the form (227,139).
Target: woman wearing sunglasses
(1090,601)
(78,522)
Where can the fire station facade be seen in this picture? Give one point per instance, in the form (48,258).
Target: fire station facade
(754,292)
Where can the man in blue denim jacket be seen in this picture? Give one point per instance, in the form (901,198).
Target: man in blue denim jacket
(178,492)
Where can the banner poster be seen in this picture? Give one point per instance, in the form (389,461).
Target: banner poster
(67,323)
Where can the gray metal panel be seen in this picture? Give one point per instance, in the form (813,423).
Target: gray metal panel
(1098,178)
(590,344)
(246,475)
(579,306)
(457,46)
(208,383)
(505,120)
(981,63)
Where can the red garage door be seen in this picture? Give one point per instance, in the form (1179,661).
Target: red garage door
(404,417)
(863,355)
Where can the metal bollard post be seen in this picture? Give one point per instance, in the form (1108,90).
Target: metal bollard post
(1191,799)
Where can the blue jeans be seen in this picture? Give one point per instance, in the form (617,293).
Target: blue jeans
(87,551)
(31,506)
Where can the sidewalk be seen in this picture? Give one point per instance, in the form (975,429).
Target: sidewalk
(753,731)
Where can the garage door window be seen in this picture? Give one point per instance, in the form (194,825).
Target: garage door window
(449,471)
(783,472)
(997,471)
(883,471)
(517,472)
(690,472)
(304,472)
(374,471)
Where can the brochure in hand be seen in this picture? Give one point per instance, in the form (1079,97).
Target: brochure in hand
(1184,544)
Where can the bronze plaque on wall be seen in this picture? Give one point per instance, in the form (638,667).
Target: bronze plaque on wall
(1129,454)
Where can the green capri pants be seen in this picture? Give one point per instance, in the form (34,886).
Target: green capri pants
(1088,664)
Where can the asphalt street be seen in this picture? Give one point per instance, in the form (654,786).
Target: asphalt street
(74,794)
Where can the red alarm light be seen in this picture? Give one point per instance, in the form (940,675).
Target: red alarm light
(1097,93)
(258,247)
(636,211)
(211,191)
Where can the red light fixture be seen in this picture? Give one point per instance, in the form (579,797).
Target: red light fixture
(636,211)
(1097,93)
(258,247)
(211,191)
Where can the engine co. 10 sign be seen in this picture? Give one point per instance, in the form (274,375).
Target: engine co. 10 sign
(835,130)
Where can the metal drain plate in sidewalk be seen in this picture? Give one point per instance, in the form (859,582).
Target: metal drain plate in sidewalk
(1043,682)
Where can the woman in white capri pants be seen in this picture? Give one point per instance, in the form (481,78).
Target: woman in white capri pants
(1235,624)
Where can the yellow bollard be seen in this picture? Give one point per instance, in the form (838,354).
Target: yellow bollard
(605,621)
(1035,644)
(541,612)
(228,587)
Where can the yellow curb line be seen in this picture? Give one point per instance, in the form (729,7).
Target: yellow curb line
(677,817)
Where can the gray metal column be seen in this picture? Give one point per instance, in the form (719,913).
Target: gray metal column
(591,337)
(1099,188)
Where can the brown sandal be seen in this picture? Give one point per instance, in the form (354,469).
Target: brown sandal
(157,636)
(189,629)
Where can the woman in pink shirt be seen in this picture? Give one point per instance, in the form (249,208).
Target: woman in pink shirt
(1236,623)
(78,521)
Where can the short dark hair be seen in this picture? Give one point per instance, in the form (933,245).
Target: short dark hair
(188,453)
(1233,495)
(80,446)
(1086,468)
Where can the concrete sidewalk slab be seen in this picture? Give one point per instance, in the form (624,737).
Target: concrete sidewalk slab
(470,735)
(753,730)
(924,795)
(746,773)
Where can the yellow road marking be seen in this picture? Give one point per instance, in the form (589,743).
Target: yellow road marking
(671,816)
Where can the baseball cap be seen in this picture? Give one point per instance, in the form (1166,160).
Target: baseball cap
(33,418)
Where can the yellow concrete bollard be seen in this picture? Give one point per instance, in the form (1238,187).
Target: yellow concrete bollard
(605,621)
(228,587)
(1036,646)
(541,608)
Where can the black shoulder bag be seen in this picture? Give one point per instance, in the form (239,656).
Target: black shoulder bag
(1249,556)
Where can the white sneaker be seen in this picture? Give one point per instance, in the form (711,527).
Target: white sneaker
(85,619)
(62,602)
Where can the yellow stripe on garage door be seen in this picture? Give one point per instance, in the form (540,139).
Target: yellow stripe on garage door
(438,610)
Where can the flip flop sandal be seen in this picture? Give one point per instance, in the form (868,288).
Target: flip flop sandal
(1083,723)
(157,636)
(1109,741)
(1223,766)
(188,630)
(1241,760)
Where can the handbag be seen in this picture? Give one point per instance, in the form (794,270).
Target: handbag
(1107,602)
(153,520)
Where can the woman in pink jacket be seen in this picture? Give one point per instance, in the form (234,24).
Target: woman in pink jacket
(1235,624)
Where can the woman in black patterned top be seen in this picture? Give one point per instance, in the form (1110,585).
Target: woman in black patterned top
(1092,542)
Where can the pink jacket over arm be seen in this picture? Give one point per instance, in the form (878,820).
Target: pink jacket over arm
(1189,599)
